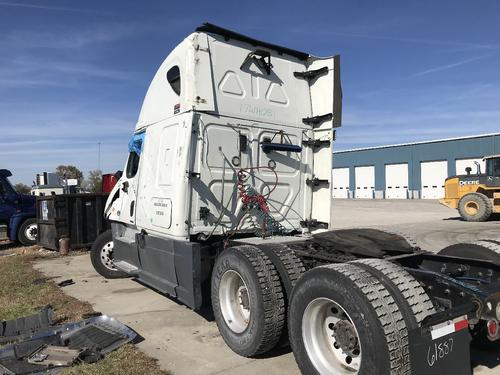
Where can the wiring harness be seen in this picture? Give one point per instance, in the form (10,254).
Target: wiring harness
(256,203)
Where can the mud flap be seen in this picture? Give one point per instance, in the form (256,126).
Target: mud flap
(447,354)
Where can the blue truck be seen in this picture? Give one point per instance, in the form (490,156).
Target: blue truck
(17,213)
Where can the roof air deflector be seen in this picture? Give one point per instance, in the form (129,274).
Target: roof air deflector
(228,34)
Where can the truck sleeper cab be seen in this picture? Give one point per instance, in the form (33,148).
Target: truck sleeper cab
(225,201)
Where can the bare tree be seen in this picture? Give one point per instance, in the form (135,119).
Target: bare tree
(69,171)
(22,188)
(94,181)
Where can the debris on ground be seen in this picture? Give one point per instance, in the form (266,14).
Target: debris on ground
(66,283)
(40,346)
(21,296)
(20,328)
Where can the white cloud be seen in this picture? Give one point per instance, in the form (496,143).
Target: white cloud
(48,7)
(453,65)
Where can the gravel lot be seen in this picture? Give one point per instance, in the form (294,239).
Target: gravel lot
(187,343)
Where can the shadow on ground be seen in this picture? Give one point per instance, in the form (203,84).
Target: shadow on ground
(6,245)
(486,358)
(494,217)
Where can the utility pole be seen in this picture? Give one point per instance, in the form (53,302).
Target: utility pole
(99,156)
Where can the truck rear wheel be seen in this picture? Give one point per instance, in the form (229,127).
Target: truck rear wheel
(290,268)
(342,320)
(101,256)
(247,299)
(27,232)
(483,250)
(411,298)
(475,207)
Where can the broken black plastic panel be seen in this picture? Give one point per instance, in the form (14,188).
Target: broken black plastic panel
(93,338)
(11,330)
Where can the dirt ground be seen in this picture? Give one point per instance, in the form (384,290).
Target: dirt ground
(188,343)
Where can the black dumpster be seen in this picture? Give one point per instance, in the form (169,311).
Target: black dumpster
(78,217)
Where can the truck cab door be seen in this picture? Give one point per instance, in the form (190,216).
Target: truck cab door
(121,207)
(129,183)
(323,76)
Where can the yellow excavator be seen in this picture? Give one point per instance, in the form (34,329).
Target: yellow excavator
(476,196)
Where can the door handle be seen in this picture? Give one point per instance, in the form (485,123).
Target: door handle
(141,238)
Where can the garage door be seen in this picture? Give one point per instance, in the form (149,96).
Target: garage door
(461,164)
(433,175)
(365,181)
(396,181)
(340,182)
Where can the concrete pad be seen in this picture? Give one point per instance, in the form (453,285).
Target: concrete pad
(430,224)
(182,340)
(186,343)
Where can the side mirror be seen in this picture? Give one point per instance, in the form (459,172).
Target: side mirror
(468,170)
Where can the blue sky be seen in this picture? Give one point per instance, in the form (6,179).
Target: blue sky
(74,73)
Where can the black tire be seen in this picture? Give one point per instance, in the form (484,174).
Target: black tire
(412,299)
(379,323)
(475,207)
(482,250)
(98,253)
(290,268)
(261,330)
(403,236)
(28,232)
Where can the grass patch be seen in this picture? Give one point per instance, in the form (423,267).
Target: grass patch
(23,290)
(127,360)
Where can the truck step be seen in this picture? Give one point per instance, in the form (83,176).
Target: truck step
(125,240)
(126,267)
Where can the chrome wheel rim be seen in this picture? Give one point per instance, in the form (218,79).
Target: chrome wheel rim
(31,232)
(325,322)
(107,256)
(234,301)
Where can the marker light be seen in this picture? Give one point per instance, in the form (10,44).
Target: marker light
(492,328)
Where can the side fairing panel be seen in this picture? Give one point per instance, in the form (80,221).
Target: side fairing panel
(326,104)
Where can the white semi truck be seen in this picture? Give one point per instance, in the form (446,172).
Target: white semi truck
(225,202)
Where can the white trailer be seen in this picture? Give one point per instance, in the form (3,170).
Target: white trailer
(225,202)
